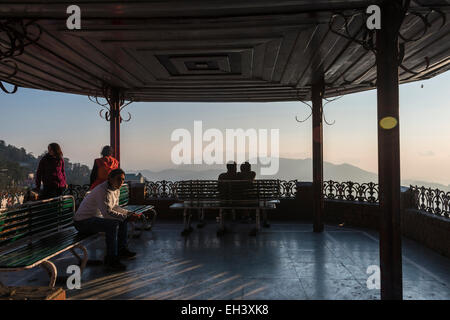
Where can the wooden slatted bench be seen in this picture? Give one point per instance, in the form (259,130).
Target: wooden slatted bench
(257,195)
(147,212)
(36,232)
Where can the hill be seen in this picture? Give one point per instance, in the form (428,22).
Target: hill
(16,164)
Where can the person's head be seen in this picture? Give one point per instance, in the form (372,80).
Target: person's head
(107,151)
(55,150)
(116,178)
(246,167)
(232,167)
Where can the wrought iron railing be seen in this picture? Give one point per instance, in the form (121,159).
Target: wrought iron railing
(351,191)
(163,189)
(77,191)
(288,188)
(433,201)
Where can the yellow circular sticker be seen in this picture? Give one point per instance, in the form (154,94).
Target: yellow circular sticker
(388,123)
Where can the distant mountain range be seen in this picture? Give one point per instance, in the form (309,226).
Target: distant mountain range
(289,169)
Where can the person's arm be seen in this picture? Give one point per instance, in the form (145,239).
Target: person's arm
(110,210)
(63,169)
(94,173)
(39,173)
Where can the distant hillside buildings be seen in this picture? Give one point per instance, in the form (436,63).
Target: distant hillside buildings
(134,178)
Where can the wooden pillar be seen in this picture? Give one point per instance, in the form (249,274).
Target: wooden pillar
(115,123)
(389,150)
(317,134)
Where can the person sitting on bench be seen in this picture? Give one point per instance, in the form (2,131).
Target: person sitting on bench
(231,173)
(100,212)
(246,172)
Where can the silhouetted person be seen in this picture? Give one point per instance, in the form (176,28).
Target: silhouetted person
(51,173)
(103,166)
(246,172)
(231,173)
(224,185)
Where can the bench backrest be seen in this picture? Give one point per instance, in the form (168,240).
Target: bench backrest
(124,195)
(36,219)
(235,190)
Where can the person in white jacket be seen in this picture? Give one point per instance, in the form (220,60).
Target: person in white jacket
(100,212)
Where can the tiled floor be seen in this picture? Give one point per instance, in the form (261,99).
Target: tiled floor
(287,261)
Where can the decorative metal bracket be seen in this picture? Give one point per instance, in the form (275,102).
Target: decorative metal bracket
(8,76)
(16,35)
(366,38)
(321,111)
(107,95)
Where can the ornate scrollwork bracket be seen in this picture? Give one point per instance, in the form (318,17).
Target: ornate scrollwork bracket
(363,36)
(367,38)
(321,111)
(16,35)
(107,94)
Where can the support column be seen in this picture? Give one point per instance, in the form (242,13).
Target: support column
(115,123)
(389,150)
(317,134)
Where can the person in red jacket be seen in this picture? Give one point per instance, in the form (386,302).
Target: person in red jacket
(103,166)
(51,173)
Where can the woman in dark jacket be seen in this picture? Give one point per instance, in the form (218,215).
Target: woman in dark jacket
(51,173)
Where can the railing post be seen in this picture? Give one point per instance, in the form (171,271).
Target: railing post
(389,149)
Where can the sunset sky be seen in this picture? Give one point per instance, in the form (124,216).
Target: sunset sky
(32,119)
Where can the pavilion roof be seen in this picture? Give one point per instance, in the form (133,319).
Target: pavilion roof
(222,50)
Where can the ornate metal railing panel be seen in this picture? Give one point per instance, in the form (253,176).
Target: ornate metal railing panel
(351,191)
(77,191)
(288,188)
(163,189)
(433,201)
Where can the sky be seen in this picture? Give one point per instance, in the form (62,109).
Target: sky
(32,119)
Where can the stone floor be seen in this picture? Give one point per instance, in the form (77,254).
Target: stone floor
(287,261)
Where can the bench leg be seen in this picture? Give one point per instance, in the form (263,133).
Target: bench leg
(83,261)
(149,227)
(51,270)
(257,228)
(133,233)
(202,222)
(221,221)
(186,222)
(266,223)
(5,291)
(189,218)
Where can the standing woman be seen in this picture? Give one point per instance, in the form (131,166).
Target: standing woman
(51,173)
(103,166)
